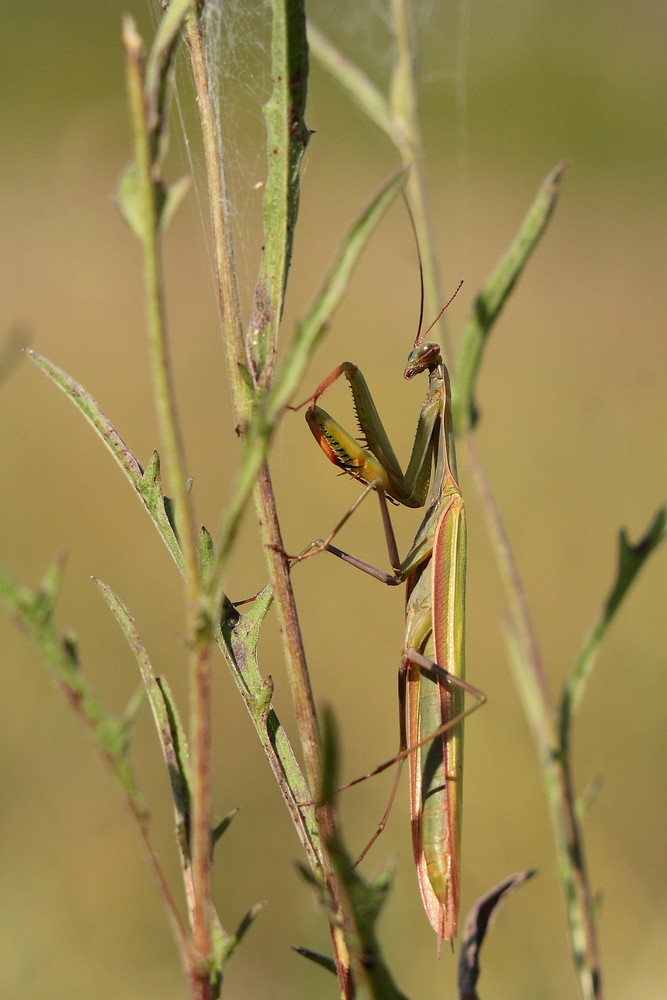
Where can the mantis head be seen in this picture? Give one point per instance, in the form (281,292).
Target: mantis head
(423,357)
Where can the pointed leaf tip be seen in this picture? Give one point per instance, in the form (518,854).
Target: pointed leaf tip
(220,828)
(477,925)
(314,956)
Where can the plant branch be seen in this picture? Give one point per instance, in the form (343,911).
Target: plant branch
(33,612)
(147,93)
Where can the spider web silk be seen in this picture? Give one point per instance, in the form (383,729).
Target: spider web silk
(238,39)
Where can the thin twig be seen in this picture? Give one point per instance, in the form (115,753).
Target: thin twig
(147,125)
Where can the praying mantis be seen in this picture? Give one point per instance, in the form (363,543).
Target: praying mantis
(432,668)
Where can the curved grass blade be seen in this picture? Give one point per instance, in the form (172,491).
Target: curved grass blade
(33,610)
(476,928)
(146,482)
(631,558)
(165,715)
(492,298)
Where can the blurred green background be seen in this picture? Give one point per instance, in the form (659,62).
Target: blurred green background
(573,434)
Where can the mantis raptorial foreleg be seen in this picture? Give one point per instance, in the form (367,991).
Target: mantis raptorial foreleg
(431,678)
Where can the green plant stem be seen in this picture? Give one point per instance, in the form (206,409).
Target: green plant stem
(198,631)
(557,779)
(165,397)
(306,717)
(229,311)
(404,102)
(299,678)
(200,835)
(228,303)
(286,26)
(404,105)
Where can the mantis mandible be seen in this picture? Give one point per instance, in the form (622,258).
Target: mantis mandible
(432,671)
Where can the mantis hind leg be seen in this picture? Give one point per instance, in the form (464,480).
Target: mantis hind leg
(399,759)
(427,666)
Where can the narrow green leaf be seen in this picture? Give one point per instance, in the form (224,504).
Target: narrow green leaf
(169,729)
(224,945)
(170,27)
(175,194)
(179,741)
(48,591)
(238,641)
(70,647)
(492,298)
(128,198)
(34,615)
(631,558)
(220,828)
(588,797)
(160,507)
(206,552)
(477,925)
(234,940)
(244,642)
(146,483)
(313,956)
(125,619)
(248,627)
(177,758)
(287,138)
(312,880)
(93,414)
(314,324)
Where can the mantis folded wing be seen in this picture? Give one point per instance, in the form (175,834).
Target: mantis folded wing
(432,668)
